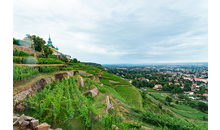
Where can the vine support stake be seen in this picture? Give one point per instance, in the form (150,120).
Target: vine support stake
(111,123)
(74,113)
(91,122)
(26,104)
(68,104)
(39,110)
(52,118)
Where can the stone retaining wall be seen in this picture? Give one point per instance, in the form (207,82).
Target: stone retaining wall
(35,87)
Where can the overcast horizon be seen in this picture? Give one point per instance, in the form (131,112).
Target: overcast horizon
(113,32)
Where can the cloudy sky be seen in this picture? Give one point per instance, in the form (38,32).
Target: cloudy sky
(113,31)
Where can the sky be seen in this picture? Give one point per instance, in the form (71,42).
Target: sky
(115,32)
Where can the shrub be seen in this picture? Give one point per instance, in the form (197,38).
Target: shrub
(192,104)
(29,60)
(202,106)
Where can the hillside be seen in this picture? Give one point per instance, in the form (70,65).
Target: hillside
(79,96)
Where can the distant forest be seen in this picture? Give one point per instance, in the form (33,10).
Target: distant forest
(92,64)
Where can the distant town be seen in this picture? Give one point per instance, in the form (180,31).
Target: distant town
(188,79)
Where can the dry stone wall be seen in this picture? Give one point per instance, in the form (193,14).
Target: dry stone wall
(30,123)
(37,86)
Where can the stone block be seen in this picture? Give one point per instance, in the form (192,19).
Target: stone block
(28,118)
(43,126)
(15,118)
(34,124)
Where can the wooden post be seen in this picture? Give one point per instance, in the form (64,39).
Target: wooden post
(68,103)
(98,120)
(39,111)
(52,118)
(91,121)
(26,104)
(74,113)
(111,123)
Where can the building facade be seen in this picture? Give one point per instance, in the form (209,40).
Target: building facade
(55,50)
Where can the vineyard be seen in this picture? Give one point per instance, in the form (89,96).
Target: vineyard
(68,105)
(133,97)
(63,102)
(34,60)
(20,72)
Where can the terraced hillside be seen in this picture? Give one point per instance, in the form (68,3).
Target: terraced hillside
(79,96)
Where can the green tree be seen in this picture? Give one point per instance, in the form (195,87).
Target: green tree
(140,84)
(75,60)
(38,42)
(202,90)
(47,50)
(202,106)
(168,99)
(100,67)
(165,87)
(187,87)
(182,96)
(64,59)
(192,104)
(15,41)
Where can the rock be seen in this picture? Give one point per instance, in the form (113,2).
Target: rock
(20,107)
(28,118)
(33,119)
(99,117)
(43,126)
(15,118)
(115,127)
(34,124)
(58,129)
(20,121)
(94,92)
(23,123)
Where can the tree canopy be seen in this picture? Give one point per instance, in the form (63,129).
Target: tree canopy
(47,50)
(38,42)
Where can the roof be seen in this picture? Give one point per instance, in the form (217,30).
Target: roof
(186,77)
(204,95)
(154,87)
(158,85)
(201,79)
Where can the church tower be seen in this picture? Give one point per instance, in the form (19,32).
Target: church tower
(49,43)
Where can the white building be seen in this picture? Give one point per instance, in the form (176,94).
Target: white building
(188,93)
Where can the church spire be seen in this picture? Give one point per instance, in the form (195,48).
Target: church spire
(49,43)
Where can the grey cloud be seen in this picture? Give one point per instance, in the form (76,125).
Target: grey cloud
(119,32)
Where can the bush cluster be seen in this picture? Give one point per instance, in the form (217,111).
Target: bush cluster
(49,61)
(21,53)
(48,69)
